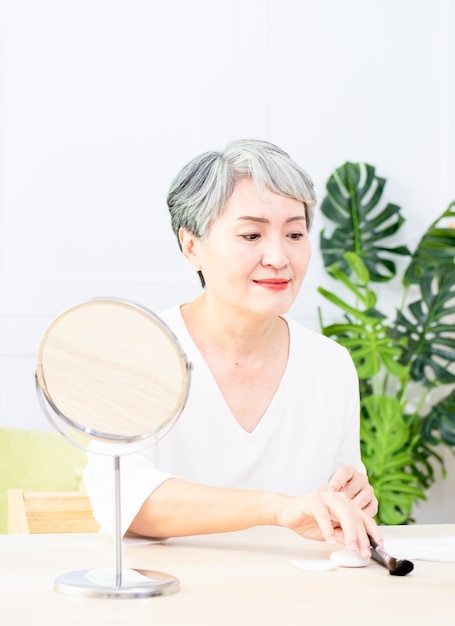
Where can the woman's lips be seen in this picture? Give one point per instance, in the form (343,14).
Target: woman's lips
(273,284)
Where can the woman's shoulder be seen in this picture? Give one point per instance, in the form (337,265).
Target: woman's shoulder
(172,315)
(172,318)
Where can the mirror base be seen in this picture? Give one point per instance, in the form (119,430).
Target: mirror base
(100,583)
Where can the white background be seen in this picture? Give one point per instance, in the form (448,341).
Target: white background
(102,101)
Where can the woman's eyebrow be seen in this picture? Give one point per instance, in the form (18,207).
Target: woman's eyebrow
(263,220)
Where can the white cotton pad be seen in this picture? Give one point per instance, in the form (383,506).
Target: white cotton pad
(346,558)
(320,565)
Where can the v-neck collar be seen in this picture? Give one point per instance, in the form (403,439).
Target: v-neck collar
(197,361)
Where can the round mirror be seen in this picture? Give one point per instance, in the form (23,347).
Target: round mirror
(112,371)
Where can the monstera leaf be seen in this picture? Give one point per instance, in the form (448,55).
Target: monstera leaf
(435,253)
(352,203)
(388,458)
(425,458)
(439,425)
(363,332)
(428,329)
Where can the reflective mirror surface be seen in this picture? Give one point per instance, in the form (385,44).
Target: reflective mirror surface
(113,370)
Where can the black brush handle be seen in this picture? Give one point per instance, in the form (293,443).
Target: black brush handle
(396,567)
(373,543)
(378,553)
(378,558)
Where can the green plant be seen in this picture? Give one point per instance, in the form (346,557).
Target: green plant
(405,363)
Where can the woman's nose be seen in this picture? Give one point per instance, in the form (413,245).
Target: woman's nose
(275,254)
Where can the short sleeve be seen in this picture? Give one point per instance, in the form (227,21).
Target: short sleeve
(139,477)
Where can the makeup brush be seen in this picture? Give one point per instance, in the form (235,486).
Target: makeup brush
(395,566)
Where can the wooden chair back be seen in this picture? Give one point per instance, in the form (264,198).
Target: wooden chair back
(49,512)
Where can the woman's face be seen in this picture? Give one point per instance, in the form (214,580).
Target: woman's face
(256,253)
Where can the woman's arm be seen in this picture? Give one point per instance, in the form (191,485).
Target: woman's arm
(179,508)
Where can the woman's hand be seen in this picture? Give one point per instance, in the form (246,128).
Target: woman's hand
(355,486)
(330,516)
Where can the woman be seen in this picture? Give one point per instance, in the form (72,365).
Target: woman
(270,431)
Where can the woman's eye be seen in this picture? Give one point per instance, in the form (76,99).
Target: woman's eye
(295,235)
(251,236)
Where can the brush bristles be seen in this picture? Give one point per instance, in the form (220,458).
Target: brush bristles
(400,568)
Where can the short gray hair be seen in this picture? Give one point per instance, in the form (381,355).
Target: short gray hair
(199,192)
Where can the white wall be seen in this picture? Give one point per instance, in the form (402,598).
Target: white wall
(102,101)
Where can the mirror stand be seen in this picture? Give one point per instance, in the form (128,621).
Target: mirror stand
(112,371)
(116,582)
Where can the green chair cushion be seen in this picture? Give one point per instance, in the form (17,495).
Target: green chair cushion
(37,461)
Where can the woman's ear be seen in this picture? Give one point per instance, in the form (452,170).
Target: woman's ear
(189,244)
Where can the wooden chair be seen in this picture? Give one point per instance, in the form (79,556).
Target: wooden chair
(49,512)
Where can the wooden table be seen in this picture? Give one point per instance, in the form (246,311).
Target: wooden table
(239,579)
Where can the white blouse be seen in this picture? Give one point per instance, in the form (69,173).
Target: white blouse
(310,428)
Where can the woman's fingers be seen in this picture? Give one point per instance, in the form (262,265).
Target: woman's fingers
(338,519)
(367,502)
(322,514)
(351,521)
(355,486)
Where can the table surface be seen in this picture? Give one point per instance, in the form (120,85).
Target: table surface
(242,578)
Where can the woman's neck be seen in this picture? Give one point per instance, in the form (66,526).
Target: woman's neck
(233,334)
(247,357)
